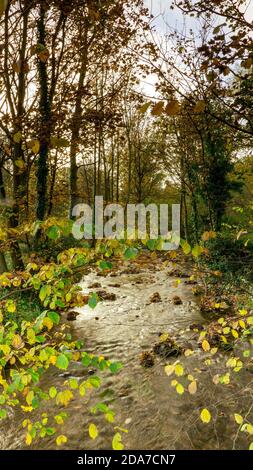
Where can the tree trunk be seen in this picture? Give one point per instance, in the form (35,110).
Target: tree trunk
(45,116)
(76,126)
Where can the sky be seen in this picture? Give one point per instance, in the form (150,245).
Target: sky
(164,16)
(166,20)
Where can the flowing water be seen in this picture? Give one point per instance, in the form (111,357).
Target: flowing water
(145,403)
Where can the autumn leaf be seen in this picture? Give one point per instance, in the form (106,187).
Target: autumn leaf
(173,108)
(180,389)
(3,5)
(143,109)
(34,145)
(60,440)
(17,137)
(158,109)
(117,442)
(238,418)
(169,370)
(93,431)
(192,388)
(205,416)
(179,370)
(200,107)
(205,346)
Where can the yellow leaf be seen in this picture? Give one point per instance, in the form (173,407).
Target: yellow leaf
(243,312)
(93,431)
(17,342)
(174,383)
(238,418)
(249,429)
(17,137)
(48,323)
(59,419)
(235,334)
(20,163)
(29,397)
(61,440)
(11,307)
(205,416)
(116,442)
(35,146)
(231,362)
(28,439)
(242,324)
(5,348)
(180,389)
(179,370)
(192,388)
(206,346)
(226,330)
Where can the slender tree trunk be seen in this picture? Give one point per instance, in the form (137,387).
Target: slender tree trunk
(117,173)
(20,172)
(3,265)
(112,170)
(52,184)
(45,116)
(76,126)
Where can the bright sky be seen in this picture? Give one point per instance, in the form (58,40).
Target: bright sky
(161,8)
(167,20)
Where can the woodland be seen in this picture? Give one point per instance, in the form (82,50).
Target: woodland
(121,344)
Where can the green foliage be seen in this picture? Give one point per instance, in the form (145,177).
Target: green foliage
(30,344)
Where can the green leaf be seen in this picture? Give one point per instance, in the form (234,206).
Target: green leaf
(105,265)
(73,383)
(130,253)
(52,392)
(197,251)
(115,367)
(44,292)
(95,381)
(151,244)
(54,232)
(62,362)
(3,413)
(93,300)
(54,317)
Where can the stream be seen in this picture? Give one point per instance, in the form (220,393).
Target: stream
(155,416)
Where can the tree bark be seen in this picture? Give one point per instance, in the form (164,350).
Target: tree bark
(76,126)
